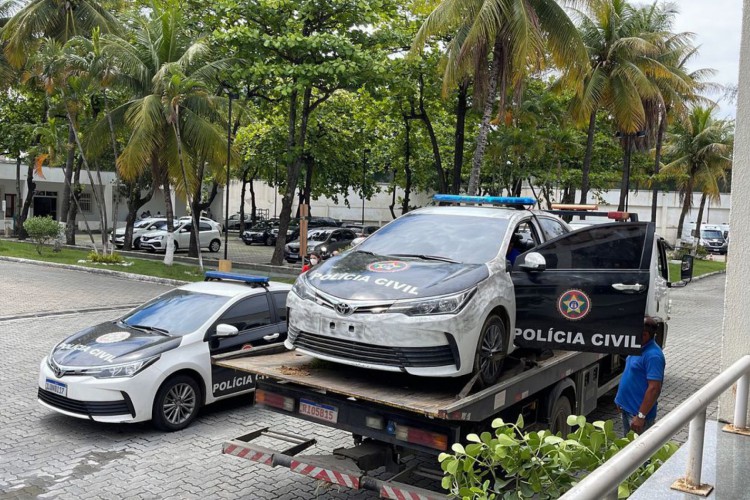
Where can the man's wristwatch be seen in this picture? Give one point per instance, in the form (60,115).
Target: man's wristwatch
(641,415)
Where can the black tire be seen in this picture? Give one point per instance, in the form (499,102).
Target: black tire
(176,404)
(269,241)
(558,416)
(248,243)
(214,246)
(137,244)
(493,339)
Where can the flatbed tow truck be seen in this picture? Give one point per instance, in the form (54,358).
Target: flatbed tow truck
(392,416)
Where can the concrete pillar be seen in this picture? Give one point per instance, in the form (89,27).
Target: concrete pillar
(736,334)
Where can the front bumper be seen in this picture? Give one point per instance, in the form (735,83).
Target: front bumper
(155,245)
(111,400)
(430,346)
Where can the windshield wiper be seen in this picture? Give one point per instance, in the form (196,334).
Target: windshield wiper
(426,257)
(148,328)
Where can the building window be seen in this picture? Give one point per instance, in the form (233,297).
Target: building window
(85,201)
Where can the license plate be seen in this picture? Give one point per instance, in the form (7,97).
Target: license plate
(346,329)
(57,387)
(319,411)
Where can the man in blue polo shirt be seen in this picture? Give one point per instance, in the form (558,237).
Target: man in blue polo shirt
(641,383)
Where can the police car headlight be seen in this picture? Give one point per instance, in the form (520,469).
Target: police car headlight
(303,289)
(444,304)
(120,371)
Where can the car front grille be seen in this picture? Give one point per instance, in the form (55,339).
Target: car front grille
(402,357)
(90,408)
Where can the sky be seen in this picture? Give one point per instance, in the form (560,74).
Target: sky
(717,25)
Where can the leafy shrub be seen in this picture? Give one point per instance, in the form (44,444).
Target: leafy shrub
(102,258)
(41,230)
(511,463)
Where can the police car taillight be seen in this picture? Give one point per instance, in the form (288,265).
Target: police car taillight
(275,400)
(429,439)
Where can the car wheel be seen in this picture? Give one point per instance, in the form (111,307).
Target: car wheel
(492,341)
(248,243)
(269,241)
(137,244)
(214,246)
(558,417)
(176,403)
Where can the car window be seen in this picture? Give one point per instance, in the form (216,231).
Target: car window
(179,312)
(319,236)
(248,313)
(662,260)
(602,247)
(711,234)
(463,238)
(347,236)
(551,228)
(205,227)
(141,223)
(187,227)
(279,300)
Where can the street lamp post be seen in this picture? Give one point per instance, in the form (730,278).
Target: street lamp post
(226,188)
(364,176)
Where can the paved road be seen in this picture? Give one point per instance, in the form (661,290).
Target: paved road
(46,455)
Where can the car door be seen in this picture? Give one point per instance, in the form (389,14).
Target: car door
(182,236)
(205,228)
(253,319)
(591,293)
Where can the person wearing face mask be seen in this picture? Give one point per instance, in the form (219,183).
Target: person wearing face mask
(314,259)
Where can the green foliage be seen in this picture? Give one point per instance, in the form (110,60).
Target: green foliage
(102,258)
(41,230)
(510,463)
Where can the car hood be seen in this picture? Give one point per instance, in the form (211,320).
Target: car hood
(111,343)
(363,276)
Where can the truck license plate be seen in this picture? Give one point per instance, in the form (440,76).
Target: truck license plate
(326,413)
(57,387)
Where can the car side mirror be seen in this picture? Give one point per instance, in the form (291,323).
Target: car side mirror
(533,262)
(686,268)
(223,330)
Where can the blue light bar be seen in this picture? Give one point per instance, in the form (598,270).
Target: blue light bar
(492,200)
(245,278)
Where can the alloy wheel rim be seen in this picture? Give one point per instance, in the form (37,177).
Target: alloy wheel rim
(492,343)
(179,404)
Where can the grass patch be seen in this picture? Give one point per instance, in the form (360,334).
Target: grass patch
(700,267)
(71,256)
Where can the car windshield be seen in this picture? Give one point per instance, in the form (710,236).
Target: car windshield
(320,236)
(470,240)
(711,234)
(160,225)
(258,227)
(178,312)
(141,223)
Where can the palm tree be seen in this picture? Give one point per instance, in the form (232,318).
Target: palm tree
(624,67)
(172,116)
(701,149)
(501,42)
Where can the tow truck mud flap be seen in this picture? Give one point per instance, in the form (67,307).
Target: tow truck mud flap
(334,469)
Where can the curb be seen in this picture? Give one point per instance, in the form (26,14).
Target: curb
(116,274)
(708,275)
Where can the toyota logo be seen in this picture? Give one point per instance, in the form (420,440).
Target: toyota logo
(344,309)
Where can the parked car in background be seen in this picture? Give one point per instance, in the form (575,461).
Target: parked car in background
(156,241)
(139,228)
(259,233)
(186,218)
(323,241)
(322,222)
(233,224)
(154,363)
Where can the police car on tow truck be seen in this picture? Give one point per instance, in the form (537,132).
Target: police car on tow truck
(154,363)
(447,291)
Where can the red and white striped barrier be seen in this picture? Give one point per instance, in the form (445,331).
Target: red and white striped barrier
(248,453)
(398,493)
(331,476)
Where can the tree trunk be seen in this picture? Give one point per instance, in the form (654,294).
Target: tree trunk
(169,252)
(657,165)
(30,188)
(253,206)
(393,202)
(687,203)
(195,226)
(698,222)
(74,190)
(116,187)
(296,142)
(625,185)
(242,199)
(484,127)
(308,178)
(458,153)
(433,140)
(135,202)
(586,169)
(17,208)
(407,168)
(69,167)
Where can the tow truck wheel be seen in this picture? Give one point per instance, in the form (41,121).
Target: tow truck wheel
(176,403)
(558,417)
(491,351)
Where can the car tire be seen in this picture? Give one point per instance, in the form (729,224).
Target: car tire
(269,241)
(248,243)
(558,416)
(137,244)
(493,339)
(214,246)
(176,403)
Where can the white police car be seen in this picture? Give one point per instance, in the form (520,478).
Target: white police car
(154,363)
(446,291)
